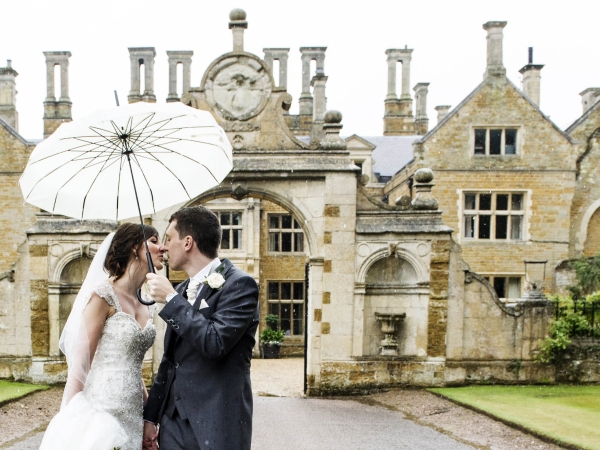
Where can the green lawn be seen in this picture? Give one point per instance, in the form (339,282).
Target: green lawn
(569,414)
(10,390)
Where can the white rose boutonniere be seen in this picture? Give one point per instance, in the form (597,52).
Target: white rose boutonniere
(214,280)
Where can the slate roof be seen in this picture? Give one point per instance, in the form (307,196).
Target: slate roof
(391,154)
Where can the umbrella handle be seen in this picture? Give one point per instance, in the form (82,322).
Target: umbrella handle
(151,269)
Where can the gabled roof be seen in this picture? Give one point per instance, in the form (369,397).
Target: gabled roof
(391,153)
(16,134)
(583,117)
(362,143)
(474,92)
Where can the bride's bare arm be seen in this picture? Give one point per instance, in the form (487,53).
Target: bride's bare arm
(94,315)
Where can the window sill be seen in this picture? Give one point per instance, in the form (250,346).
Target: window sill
(493,241)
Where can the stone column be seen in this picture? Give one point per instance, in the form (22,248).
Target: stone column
(185,59)
(64,81)
(306,100)
(421,120)
(237,25)
(134,92)
(56,112)
(148,95)
(398,118)
(314,303)
(145,56)
(442,111)
(8,95)
(281,55)
(392,62)
(50,81)
(406,75)
(495,65)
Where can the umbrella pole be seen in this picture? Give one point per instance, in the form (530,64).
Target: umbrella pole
(148,257)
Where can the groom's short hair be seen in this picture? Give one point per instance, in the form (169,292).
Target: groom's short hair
(202,225)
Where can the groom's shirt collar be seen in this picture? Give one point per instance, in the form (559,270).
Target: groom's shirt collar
(206,270)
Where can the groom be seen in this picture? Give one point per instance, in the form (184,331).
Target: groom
(201,396)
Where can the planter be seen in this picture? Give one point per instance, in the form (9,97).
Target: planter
(270,351)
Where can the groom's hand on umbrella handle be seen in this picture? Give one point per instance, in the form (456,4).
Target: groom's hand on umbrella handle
(159,287)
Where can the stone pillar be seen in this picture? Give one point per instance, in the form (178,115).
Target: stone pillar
(56,112)
(589,98)
(442,111)
(421,120)
(398,118)
(320,107)
(531,79)
(309,54)
(139,56)
(281,55)
(8,95)
(495,65)
(185,59)
(237,25)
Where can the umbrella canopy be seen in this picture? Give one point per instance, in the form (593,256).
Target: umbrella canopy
(83,171)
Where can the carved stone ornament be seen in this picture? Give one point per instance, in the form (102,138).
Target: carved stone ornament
(238,87)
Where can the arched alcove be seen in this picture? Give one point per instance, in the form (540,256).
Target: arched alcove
(71,279)
(390,272)
(592,240)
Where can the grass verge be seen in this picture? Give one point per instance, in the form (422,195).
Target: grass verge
(10,390)
(567,414)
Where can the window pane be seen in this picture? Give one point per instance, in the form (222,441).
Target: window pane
(470,201)
(225,244)
(236,219)
(274,222)
(500,286)
(225,219)
(495,141)
(274,309)
(485,202)
(516,227)
(514,287)
(484,227)
(286,291)
(286,242)
(286,221)
(480,142)
(501,227)
(469,226)
(510,139)
(237,238)
(298,291)
(517,202)
(298,315)
(296,224)
(298,242)
(273,242)
(273,290)
(502,202)
(285,323)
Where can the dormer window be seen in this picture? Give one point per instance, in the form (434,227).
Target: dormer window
(495,141)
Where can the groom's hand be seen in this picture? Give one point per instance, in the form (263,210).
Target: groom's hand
(150,435)
(159,287)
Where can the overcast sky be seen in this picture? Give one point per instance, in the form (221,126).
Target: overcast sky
(447,37)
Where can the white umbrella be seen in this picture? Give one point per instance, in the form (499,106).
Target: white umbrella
(91,168)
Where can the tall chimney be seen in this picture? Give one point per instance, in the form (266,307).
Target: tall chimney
(495,66)
(185,59)
(398,117)
(281,55)
(237,26)
(137,57)
(589,98)
(421,120)
(442,111)
(531,79)
(56,111)
(309,54)
(8,95)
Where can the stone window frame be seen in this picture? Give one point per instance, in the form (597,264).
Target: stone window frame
(503,128)
(493,277)
(280,231)
(525,213)
(288,301)
(231,228)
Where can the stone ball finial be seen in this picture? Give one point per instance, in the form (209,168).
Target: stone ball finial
(424,175)
(237,14)
(333,116)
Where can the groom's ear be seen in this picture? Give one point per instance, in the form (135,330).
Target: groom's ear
(188,243)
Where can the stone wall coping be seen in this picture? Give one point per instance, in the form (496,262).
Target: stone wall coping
(72,226)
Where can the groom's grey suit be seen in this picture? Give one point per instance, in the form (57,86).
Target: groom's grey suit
(202,388)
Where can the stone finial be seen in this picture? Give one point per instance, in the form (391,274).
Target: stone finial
(281,55)
(184,58)
(423,199)
(56,111)
(421,120)
(495,65)
(332,127)
(589,98)
(531,79)
(137,57)
(8,95)
(237,25)
(442,111)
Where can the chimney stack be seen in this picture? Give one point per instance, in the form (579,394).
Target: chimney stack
(56,111)
(442,111)
(495,66)
(531,79)
(589,98)
(139,56)
(8,95)
(309,54)
(398,118)
(237,26)
(281,55)
(185,59)
(421,120)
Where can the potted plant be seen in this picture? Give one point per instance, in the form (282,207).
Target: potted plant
(270,338)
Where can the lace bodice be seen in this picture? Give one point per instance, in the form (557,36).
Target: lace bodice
(114,383)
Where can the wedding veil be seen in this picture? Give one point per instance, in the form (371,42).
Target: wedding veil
(74,341)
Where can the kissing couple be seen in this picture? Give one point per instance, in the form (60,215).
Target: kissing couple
(201,397)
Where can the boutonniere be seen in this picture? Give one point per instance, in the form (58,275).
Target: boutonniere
(215,280)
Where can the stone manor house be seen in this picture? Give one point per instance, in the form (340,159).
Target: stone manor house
(400,259)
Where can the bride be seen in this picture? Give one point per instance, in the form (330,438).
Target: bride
(104,340)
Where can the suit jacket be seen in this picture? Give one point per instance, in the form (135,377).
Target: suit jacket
(206,363)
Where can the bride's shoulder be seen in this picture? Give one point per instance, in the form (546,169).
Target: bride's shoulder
(105,290)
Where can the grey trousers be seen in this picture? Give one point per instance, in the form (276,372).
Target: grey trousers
(176,434)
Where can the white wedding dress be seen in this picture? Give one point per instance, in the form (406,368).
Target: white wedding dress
(107,414)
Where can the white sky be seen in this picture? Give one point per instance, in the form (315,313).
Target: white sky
(448,41)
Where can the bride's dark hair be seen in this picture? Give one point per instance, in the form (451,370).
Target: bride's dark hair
(127,237)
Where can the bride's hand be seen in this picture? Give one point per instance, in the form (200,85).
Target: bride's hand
(150,434)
